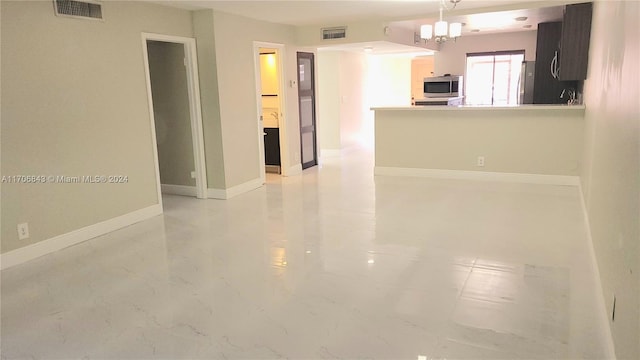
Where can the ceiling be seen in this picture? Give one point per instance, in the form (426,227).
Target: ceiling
(328,12)
(478,16)
(494,22)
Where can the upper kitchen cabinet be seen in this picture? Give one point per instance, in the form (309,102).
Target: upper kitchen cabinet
(574,51)
(546,87)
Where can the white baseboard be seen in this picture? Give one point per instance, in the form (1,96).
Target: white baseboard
(235,190)
(216,193)
(294,170)
(244,187)
(183,190)
(479,175)
(600,303)
(30,252)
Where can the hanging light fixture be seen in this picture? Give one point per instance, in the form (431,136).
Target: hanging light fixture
(442,30)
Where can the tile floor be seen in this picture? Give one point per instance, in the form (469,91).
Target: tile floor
(333,264)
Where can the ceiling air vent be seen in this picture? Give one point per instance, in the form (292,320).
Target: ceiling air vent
(334,33)
(85,9)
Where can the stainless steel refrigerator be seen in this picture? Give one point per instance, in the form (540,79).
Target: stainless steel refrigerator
(527,74)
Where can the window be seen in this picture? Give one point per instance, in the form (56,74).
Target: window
(492,78)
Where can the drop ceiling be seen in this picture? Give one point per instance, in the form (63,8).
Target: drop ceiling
(495,21)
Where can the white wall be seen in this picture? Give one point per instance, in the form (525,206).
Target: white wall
(341,82)
(356,32)
(353,72)
(526,141)
(361,32)
(452,56)
(228,88)
(203,31)
(611,175)
(234,37)
(269,65)
(329,100)
(74,100)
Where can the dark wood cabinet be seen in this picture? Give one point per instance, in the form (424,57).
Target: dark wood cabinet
(272,146)
(574,44)
(546,88)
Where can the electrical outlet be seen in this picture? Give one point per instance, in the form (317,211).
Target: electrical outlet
(23,231)
(480,161)
(193,174)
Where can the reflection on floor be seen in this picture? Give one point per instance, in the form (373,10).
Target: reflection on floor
(331,264)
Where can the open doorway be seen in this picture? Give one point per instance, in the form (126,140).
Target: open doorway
(174,104)
(270,109)
(270,89)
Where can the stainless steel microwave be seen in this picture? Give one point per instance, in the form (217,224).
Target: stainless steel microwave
(443,86)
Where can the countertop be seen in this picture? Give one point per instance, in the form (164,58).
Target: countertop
(438,99)
(483,107)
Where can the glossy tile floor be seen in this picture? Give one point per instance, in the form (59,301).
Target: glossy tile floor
(331,264)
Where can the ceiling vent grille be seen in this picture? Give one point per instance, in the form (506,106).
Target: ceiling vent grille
(78,9)
(334,33)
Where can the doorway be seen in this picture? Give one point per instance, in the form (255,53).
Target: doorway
(271,106)
(271,109)
(176,121)
(307,108)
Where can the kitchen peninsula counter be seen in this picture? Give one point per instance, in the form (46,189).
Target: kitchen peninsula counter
(485,107)
(533,143)
(435,101)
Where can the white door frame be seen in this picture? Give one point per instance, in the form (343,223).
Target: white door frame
(195,110)
(282,97)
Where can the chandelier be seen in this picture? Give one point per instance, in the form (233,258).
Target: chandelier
(441,35)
